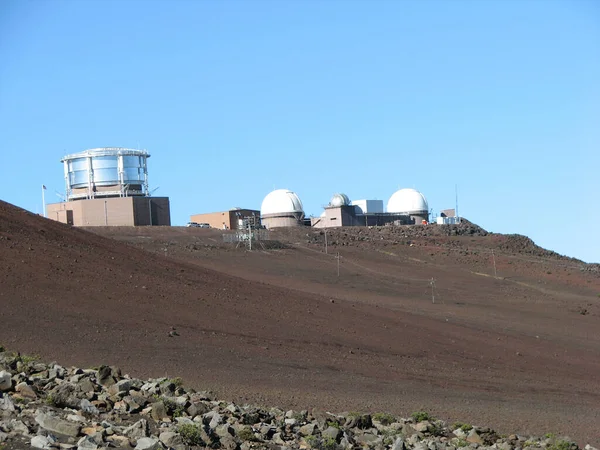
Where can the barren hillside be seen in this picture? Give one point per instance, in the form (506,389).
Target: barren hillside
(519,352)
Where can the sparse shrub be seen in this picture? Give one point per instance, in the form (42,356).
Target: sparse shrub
(420,416)
(384,418)
(437,429)
(312,441)
(462,443)
(27,359)
(299,416)
(173,409)
(246,434)
(561,444)
(390,435)
(51,400)
(328,444)
(333,423)
(177,381)
(190,434)
(463,426)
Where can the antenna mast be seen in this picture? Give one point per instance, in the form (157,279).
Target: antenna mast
(456,204)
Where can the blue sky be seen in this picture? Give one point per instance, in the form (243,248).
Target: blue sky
(236,97)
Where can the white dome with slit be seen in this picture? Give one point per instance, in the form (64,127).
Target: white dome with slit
(281,201)
(407,201)
(339,200)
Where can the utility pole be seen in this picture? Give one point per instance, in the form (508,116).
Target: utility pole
(44,199)
(105,214)
(338,263)
(494,260)
(432,283)
(250,235)
(326,241)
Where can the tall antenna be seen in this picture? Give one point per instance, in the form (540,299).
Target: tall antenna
(456,205)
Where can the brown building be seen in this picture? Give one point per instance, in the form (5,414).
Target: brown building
(115,211)
(227,220)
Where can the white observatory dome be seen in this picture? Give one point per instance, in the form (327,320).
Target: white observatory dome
(339,200)
(407,201)
(281,201)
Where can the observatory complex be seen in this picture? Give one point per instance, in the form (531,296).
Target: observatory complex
(109,187)
(411,203)
(405,207)
(281,208)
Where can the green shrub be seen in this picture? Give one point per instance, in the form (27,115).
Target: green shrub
(300,416)
(328,444)
(246,434)
(561,445)
(177,381)
(384,418)
(312,441)
(420,416)
(173,409)
(463,426)
(437,429)
(27,359)
(50,400)
(190,434)
(462,443)
(333,423)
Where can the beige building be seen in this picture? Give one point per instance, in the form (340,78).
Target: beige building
(346,216)
(226,220)
(115,211)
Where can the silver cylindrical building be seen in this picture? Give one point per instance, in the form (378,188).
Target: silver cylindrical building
(106,172)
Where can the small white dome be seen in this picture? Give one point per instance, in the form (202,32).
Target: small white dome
(407,201)
(339,200)
(281,201)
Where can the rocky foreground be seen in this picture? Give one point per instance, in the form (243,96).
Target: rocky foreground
(48,406)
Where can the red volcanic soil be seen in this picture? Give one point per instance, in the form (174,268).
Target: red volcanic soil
(276,326)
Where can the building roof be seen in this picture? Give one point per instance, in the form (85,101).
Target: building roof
(281,201)
(407,201)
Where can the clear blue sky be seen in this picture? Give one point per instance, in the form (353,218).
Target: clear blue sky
(236,97)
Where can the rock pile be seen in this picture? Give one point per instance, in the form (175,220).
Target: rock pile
(391,233)
(47,406)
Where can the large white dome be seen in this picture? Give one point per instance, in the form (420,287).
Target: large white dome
(407,201)
(281,201)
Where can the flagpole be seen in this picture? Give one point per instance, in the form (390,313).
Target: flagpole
(44,200)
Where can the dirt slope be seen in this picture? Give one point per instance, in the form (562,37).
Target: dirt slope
(258,328)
